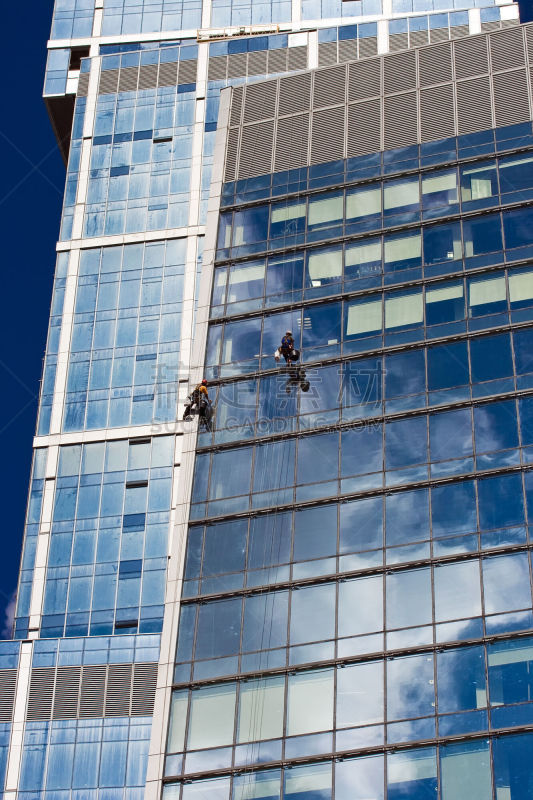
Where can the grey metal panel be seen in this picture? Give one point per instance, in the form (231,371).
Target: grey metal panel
(507,49)
(277,61)
(368,47)
(108,81)
(511,97)
(187,72)
(473,105)
(168,74)
(260,101)
(237,65)
(92,692)
(420,38)
(347,50)
(399,71)
(292,142)
(327,142)
(364,127)
(297,58)
(8,684)
(327,54)
(232,152)
(255,156)
(457,32)
(294,93)
(148,76)
(398,41)
(435,64)
(400,120)
(83,85)
(67,691)
(128,78)
(329,86)
(437,117)
(441,34)
(471,57)
(364,79)
(118,690)
(257,63)
(218,68)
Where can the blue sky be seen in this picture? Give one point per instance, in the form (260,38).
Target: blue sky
(31,188)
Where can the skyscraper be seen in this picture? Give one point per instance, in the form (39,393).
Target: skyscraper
(350,545)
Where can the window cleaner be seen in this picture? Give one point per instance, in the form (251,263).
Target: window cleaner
(287,350)
(198,402)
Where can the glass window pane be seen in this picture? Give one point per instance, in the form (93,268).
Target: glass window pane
(261,709)
(465,771)
(365,595)
(506,583)
(360,694)
(313,614)
(406,442)
(212,716)
(409,598)
(478,181)
(403,252)
(450,434)
(400,195)
(457,591)
(453,509)
(404,310)
(517,226)
(447,366)
(310,702)
(361,525)
(325,210)
(410,690)
(442,243)
(516,172)
(486,296)
(324,266)
(312,781)
(257,785)
(363,259)
(521,288)
(412,774)
(407,515)
(461,679)
(219,627)
(439,189)
(250,226)
(178,719)
(245,281)
(287,218)
(482,235)
(363,203)
(512,766)
(363,318)
(359,778)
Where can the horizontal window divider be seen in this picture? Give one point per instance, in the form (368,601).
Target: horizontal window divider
(387,350)
(366,421)
(392,229)
(362,658)
(340,755)
(456,162)
(341,577)
(343,498)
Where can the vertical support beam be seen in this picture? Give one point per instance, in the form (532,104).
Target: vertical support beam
(14,757)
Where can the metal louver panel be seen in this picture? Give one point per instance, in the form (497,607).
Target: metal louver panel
(327,54)
(297,58)
(329,86)
(470,57)
(292,141)
(439,35)
(257,63)
(364,128)
(400,120)
(419,38)
(118,693)
(41,693)
(83,85)
(398,41)
(327,141)
(127,81)
(458,31)
(473,105)
(511,98)
(256,149)
(277,61)
(144,686)
(347,50)
(529,43)
(237,65)
(486,27)
(510,23)
(187,72)
(231,154)
(368,47)
(437,118)
(108,81)
(236,106)
(92,693)
(217,69)
(8,684)
(435,64)
(294,93)
(364,80)
(507,49)
(67,692)
(259,101)
(168,74)
(148,76)
(399,71)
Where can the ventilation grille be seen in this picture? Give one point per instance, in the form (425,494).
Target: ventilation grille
(236,106)
(297,58)
(368,47)
(292,141)
(187,72)
(507,49)
(218,68)
(108,81)
(511,102)
(440,35)
(327,54)
(400,120)
(127,81)
(237,65)
(364,80)
(256,149)
(364,128)
(347,50)
(495,25)
(327,143)
(473,105)
(420,38)
(295,93)
(399,71)
(398,41)
(148,76)
(435,64)
(457,32)
(329,86)
(232,151)
(470,57)
(437,119)
(257,63)
(168,74)
(260,101)
(91,691)
(8,684)
(83,85)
